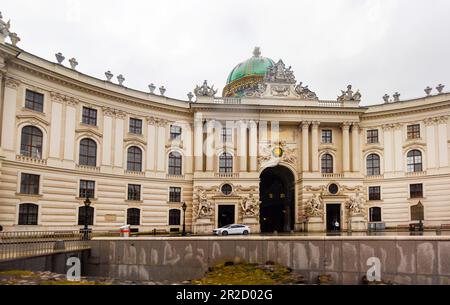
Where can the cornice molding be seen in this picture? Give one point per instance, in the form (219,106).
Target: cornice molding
(94,90)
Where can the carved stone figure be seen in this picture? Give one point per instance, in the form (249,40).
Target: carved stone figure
(304,92)
(4,26)
(349,95)
(279,74)
(205,90)
(356,205)
(203,207)
(256,91)
(250,206)
(314,206)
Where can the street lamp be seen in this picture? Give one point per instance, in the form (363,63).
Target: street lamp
(87,203)
(184,206)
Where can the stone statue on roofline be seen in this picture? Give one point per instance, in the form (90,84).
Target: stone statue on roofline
(349,95)
(205,90)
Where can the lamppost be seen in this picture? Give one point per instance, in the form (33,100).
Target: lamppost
(184,206)
(87,203)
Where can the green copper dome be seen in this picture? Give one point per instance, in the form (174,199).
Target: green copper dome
(247,74)
(256,65)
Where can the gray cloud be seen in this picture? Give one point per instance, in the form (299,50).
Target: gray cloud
(380,46)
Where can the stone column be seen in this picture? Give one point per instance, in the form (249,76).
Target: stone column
(346,147)
(253,146)
(305,146)
(107,136)
(388,144)
(198,142)
(56,126)
(9,113)
(69,131)
(210,146)
(398,148)
(161,155)
(315,146)
(432,157)
(118,140)
(356,152)
(151,143)
(242,148)
(443,138)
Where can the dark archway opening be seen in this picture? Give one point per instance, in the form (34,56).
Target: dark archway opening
(277,195)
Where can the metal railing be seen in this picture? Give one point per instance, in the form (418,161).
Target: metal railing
(24,244)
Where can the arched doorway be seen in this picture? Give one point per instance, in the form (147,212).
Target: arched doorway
(277,195)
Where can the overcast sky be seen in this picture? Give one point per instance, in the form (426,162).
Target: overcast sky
(378,46)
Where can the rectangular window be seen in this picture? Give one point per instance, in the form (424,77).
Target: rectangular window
(89,116)
(416,190)
(175,132)
(374,193)
(34,101)
(227,135)
(85,215)
(29,184)
(413,131)
(87,189)
(175,194)
(372,136)
(327,136)
(134,192)
(133,217)
(135,126)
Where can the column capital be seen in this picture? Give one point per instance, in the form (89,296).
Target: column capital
(346,125)
(305,124)
(315,124)
(12,83)
(355,125)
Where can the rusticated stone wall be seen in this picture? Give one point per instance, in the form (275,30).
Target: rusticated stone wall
(404,259)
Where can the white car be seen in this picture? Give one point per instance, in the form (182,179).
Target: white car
(233,229)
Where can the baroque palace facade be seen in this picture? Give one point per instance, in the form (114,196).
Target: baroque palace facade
(269,153)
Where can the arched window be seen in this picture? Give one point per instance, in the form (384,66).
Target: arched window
(134,159)
(373,165)
(414,161)
(82,217)
(375,214)
(88,152)
(31,142)
(327,164)
(226,163)
(174,217)
(28,214)
(133,217)
(175,162)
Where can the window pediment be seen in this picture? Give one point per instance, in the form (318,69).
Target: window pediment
(327,147)
(135,140)
(374,148)
(89,132)
(33,119)
(416,143)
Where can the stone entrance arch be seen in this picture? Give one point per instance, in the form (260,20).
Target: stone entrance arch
(277,195)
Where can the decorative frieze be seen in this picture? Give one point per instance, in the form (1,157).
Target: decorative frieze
(436,120)
(159,122)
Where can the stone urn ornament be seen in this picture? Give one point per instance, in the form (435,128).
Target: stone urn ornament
(109,76)
(59,57)
(162,90)
(152,88)
(428,90)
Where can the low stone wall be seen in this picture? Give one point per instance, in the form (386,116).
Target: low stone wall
(55,262)
(404,260)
